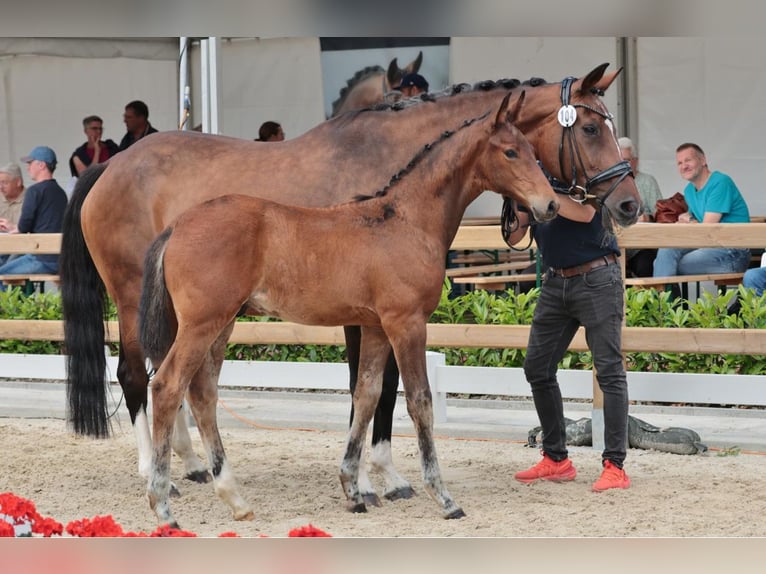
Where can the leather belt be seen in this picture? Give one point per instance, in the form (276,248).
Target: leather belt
(583,268)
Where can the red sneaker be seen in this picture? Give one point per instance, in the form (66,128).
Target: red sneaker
(548,469)
(611,477)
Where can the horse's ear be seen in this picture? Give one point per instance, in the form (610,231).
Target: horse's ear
(414,66)
(394,74)
(513,113)
(607,80)
(594,79)
(501,116)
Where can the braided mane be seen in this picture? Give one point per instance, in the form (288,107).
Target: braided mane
(358,77)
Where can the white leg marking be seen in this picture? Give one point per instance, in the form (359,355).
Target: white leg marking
(182,444)
(382,462)
(144,444)
(226,487)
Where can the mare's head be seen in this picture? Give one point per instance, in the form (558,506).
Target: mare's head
(509,166)
(579,148)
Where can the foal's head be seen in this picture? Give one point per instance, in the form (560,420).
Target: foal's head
(509,167)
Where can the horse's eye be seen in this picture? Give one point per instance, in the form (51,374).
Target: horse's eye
(511,154)
(590,129)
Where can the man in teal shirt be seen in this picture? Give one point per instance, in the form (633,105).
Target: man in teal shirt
(712,197)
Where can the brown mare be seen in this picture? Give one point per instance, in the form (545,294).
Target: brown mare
(378,263)
(372,85)
(118,208)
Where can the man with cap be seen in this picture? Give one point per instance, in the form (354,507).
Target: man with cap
(41,212)
(412,85)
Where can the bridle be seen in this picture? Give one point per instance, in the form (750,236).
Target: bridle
(567,116)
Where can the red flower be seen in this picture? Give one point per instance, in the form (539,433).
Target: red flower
(23,511)
(166,531)
(308,531)
(20,509)
(6,529)
(228,535)
(97,527)
(47,527)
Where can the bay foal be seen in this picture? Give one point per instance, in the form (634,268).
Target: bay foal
(378,263)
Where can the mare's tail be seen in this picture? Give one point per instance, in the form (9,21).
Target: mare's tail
(84,303)
(155,315)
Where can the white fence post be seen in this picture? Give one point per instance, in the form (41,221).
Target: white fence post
(439,398)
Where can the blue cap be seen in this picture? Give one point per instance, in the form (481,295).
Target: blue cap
(41,153)
(413,80)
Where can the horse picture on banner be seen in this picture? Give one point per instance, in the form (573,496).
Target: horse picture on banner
(377,262)
(166,173)
(372,84)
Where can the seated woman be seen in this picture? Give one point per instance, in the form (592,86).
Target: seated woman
(712,197)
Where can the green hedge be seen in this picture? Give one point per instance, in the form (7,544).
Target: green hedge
(644,308)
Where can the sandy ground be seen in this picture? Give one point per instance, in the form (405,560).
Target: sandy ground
(291,479)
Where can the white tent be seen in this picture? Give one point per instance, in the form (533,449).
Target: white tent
(705,90)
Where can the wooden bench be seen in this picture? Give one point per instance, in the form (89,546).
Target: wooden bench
(484,266)
(489,257)
(659,282)
(482,269)
(36,243)
(495,282)
(30,282)
(718,279)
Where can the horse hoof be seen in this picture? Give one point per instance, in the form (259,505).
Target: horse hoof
(457,513)
(174,492)
(200,476)
(402,493)
(371,499)
(249,515)
(358,508)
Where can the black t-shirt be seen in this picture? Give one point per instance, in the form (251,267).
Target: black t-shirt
(566,243)
(43,211)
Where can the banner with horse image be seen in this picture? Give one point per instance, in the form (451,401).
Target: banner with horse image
(357,68)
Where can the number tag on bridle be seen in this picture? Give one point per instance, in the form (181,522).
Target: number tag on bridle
(567,116)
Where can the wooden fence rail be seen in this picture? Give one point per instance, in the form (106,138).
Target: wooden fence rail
(645,235)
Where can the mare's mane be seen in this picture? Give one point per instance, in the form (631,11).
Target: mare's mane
(357,78)
(416,159)
(453,90)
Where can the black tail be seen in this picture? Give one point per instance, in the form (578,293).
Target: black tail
(83,301)
(155,329)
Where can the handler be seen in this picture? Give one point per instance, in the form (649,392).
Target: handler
(582,286)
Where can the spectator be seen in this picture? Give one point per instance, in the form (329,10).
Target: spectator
(41,212)
(136,119)
(12,190)
(583,286)
(754,279)
(94,150)
(712,197)
(412,85)
(270,132)
(640,262)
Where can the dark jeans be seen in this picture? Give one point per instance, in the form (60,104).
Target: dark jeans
(595,301)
